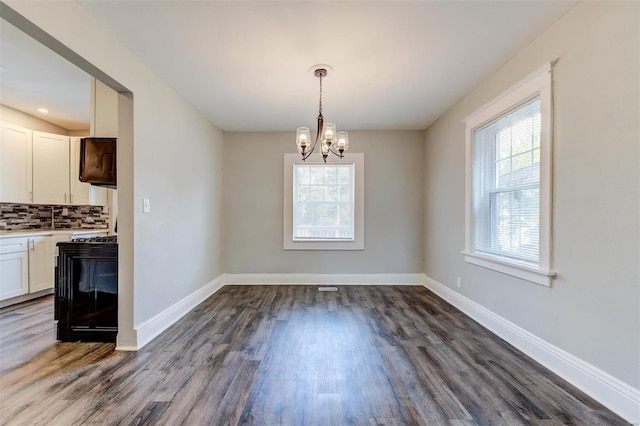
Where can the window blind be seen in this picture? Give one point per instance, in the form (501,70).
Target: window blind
(506,184)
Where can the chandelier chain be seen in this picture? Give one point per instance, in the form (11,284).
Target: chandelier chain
(320,103)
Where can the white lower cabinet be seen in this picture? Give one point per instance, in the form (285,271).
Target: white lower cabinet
(40,264)
(27,264)
(14,268)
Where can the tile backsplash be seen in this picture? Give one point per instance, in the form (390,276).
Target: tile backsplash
(14,217)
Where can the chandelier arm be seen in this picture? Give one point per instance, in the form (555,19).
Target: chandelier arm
(336,153)
(319,131)
(320,126)
(307,154)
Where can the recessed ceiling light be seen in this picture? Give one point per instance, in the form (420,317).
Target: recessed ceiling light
(43,110)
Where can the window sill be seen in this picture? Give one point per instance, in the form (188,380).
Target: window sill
(357,244)
(324,240)
(528,273)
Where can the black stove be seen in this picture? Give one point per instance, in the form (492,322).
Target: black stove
(86,290)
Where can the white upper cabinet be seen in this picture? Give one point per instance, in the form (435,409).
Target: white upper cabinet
(98,196)
(15,164)
(80,191)
(43,168)
(50,168)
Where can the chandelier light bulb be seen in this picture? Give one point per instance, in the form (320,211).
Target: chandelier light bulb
(343,141)
(303,136)
(329,131)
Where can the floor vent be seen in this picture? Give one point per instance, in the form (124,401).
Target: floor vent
(327,288)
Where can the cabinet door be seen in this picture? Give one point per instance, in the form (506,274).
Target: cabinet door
(79,190)
(55,239)
(14,274)
(40,264)
(15,164)
(50,168)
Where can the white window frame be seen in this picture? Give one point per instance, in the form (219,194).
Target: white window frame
(357,159)
(538,83)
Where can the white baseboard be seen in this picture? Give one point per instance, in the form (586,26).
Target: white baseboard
(613,393)
(151,328)
(324,279)
(24,298)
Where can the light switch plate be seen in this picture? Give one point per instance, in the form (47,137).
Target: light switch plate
(146,206)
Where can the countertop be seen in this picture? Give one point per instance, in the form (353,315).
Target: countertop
(41,232)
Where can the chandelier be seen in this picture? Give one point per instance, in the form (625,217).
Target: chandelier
(331,142)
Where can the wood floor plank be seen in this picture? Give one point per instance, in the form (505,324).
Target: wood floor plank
(287,355)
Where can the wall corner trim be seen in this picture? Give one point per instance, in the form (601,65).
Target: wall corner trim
(151,328)
(613,393)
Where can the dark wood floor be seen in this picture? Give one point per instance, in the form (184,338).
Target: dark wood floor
(287,355)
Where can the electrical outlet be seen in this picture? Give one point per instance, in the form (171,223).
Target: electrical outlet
(459,282)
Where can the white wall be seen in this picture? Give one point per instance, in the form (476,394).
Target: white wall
(253,195)
(176,163)
(19,118)
(592,310)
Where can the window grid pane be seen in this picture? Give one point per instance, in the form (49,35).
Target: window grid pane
(516,225)
(323,205)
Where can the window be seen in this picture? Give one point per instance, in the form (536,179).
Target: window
(508,220)
(324,203)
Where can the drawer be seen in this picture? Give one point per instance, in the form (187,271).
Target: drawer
(13,245)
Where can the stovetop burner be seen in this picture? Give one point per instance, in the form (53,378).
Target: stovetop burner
(107,239)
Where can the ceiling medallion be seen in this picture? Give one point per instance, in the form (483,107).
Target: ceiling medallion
(331,142)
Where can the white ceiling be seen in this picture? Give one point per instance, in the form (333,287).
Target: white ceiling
(397,65)
(32,76)
(245,64)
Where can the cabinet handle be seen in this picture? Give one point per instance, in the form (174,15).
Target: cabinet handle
(32,245)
